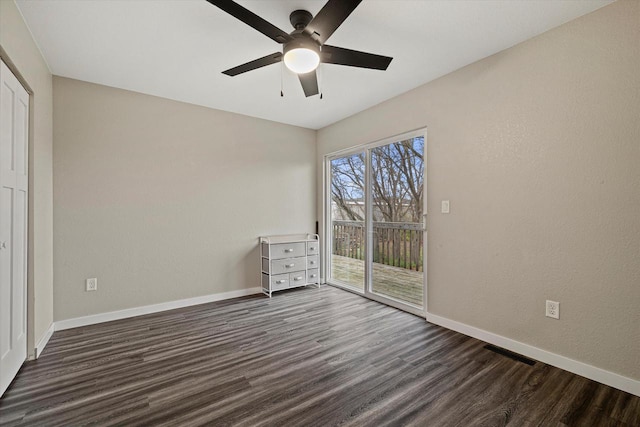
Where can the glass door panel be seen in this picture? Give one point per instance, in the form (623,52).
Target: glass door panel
(347,220)
(397,188)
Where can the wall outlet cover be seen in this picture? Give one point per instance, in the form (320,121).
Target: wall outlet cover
(553,309)
(92,284)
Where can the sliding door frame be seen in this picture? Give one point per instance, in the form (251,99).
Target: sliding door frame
(328,228)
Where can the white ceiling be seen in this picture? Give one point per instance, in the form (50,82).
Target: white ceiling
(177,49)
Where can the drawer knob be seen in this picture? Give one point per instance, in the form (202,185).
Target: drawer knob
(313,275)
(312,262)
(289,265)
(297,278)
(288,250)
(279,282)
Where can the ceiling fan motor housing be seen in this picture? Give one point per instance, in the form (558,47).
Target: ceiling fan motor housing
(300,18)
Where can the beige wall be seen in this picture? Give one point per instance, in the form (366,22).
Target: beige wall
(538,150)
(21,51)
(162,200)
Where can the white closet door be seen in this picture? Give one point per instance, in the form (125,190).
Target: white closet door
(14,126)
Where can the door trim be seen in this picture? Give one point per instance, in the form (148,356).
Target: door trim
(15,176)
(31,352)
(326,234)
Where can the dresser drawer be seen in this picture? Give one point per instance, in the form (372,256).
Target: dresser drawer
(287,265)
(280,281)
(313,248)
(297,279)
(313,276)
(287,250)
(313,262)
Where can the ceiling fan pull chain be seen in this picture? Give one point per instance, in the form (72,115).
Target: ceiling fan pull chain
(321,77)
(281,78)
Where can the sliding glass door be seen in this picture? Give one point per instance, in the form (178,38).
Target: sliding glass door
(397,184)
(375,220)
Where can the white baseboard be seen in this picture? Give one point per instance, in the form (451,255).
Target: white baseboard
(148,309)
(44,340)
(588,371)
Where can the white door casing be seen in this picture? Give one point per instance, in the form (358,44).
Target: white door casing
(14,128)
(367,289)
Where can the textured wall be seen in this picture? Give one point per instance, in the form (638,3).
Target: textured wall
(538,149)
(22,51)
(162,200)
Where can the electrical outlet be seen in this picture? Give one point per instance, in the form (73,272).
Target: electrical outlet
(445,207)
(92,284)
(553,309)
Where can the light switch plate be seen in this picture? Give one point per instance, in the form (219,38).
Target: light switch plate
(445,206)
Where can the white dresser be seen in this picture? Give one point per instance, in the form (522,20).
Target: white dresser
(289,261)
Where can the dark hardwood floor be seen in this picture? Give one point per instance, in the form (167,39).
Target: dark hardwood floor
(306,357)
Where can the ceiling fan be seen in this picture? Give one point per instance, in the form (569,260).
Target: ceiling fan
(304,48)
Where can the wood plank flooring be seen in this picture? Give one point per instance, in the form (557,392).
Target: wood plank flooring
(306,357)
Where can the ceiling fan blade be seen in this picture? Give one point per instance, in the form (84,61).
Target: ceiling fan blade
(252,65)
(253,20)
(354,58)
(329,18)
(309,82)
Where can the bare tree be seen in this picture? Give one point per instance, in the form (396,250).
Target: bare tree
(397,172)
(347,186)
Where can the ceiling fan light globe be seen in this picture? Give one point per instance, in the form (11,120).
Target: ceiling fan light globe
(301,60)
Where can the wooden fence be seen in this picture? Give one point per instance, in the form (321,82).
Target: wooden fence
(394,243)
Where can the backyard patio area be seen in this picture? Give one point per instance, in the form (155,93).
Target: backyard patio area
(395,282)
